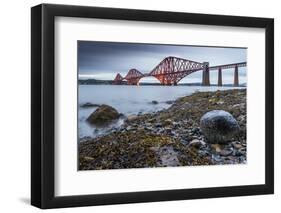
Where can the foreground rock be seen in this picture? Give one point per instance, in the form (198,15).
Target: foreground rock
(103,115)
(219,126)
(170,137)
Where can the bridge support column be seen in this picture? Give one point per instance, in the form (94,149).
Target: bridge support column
(219,77)
(206,74)
(236,76)
(203,77)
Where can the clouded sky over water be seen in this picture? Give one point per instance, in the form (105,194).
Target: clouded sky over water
(103,60)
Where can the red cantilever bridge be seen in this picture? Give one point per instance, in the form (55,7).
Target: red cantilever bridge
(172,69)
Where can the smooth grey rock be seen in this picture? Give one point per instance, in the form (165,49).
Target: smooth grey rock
(219,126)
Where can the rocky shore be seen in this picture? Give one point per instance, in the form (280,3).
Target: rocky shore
(170,137)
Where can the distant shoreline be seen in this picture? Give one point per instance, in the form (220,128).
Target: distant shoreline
(109,82)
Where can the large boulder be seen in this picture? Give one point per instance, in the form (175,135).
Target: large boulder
(219,126)
(103,115)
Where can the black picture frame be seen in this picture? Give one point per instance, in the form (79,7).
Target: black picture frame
(43,105)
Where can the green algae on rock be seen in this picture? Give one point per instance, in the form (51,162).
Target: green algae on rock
(103,115)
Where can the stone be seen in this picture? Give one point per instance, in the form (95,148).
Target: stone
(216,147)
(168,156)
(196,143)
(154,102)
(158,125)
(88,158)
(167,122)
(226,152)
(220,102)
(88,105)
(195,131)
(241,152)
(168,130)
(184,142)
(103,115)
(219,126)
(169,102)
(216,158)
(131,118)
(237,145)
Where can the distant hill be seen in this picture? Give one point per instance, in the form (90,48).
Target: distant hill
(94,81)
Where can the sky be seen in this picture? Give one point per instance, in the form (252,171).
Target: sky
(103,60)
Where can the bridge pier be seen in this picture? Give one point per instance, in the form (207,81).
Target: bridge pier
(219,77)
(203,77)
(206,74)
(236,76)
(134,81)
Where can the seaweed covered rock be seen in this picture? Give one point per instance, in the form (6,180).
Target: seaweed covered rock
(218,126)
(103,115)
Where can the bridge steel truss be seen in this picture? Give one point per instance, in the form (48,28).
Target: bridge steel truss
(172,69)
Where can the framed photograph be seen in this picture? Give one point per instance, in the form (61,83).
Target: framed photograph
(139,106)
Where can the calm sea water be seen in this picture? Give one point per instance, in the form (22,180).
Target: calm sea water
(129,100)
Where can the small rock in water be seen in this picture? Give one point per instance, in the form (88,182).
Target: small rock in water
(89,104)
(169,102)
(219,126)
(154,102)
(121,115)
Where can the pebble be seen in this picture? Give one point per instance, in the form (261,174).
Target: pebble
(216,147)
(237,145)
(241,151)
(226,152)
(196,144)
(158,125)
